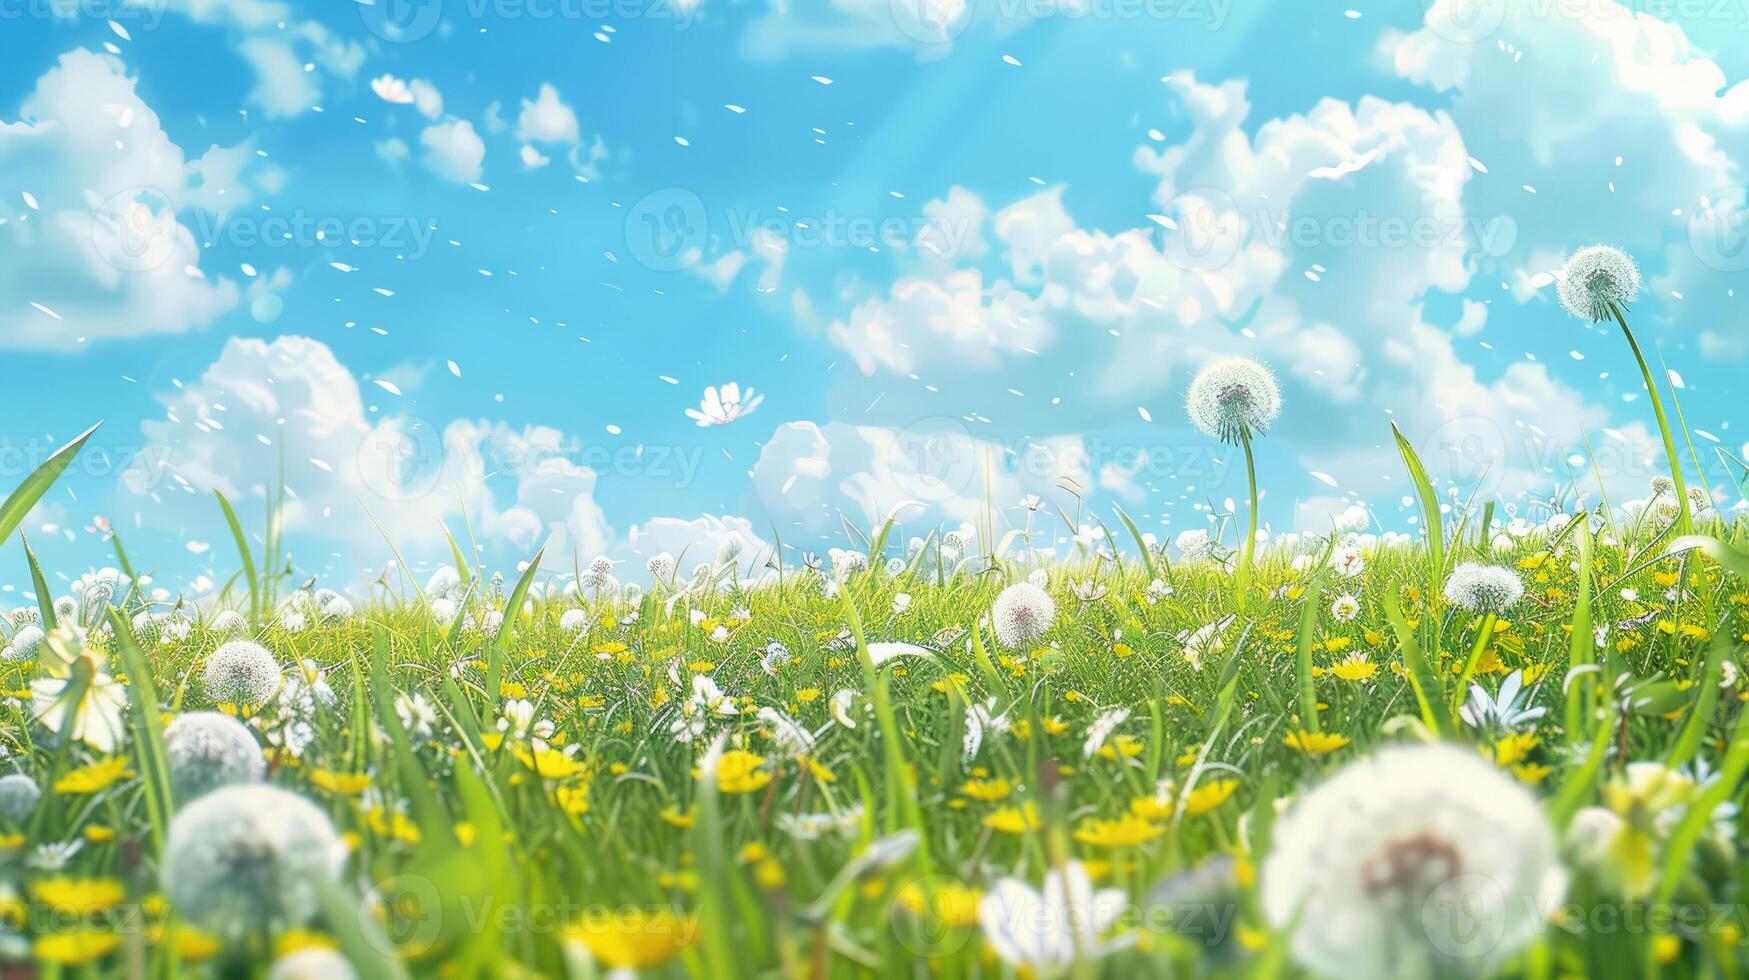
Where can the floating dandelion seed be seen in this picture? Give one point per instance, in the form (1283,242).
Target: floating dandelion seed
(1233,398)
(1596,280)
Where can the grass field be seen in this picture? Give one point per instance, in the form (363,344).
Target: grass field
(1505,745)
(867,770)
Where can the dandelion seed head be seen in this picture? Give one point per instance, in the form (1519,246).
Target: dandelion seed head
(1483,589)
(312,963)
(1232,398)
(241,672)
(207,750)
(660,566)
(1022,614)
(1596,278)
(229,623)
(26,642)
(19,795)
(574,620)
(1663,486)
(66,607)
(247,857)
(1388,868)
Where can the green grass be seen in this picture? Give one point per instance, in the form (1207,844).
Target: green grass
(489,864)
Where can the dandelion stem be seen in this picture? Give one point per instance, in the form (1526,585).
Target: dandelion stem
(1242,577)
(1683,522)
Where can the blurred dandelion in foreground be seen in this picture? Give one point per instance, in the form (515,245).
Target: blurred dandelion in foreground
(248,857)
(1420,861)
(207,750)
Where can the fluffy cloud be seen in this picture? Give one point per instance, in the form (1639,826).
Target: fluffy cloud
(228,430)
(1635,138)
(277,46)
(453,150)
(811,478)
(1315,242)
(104,246)
(547,119)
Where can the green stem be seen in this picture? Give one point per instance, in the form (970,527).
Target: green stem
(1242,578)
(1683,523)
(1483,635)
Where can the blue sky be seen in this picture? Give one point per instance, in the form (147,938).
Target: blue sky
(992,256)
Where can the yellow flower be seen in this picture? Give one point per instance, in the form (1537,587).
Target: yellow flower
(1513,749)
(78,896)
(987,790)
(1013,819)
(1125,831)
(99,834)
(96,777)
(1355,667)
(295,940)
(633,938)
(1208,796)
(11,842)
(673,815)
(1127,746)
(740,771)
(1314,743)
(75,947)
(572,799)
(465,833)
(1531,773)
(340,783)
(950,903)
(395,825)
(808,695)
(550,763)
(1054,725)
(769,875)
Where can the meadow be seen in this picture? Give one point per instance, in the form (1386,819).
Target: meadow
(1505,745)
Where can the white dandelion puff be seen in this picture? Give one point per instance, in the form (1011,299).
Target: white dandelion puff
(207,750)
(1483,589)
(1022,614)
(241,672)
(1419,861)
(1233,398)
(248,857)
(1597,279)
(19,795)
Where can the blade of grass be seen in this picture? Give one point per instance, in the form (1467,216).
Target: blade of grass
(22,499)
(249,573)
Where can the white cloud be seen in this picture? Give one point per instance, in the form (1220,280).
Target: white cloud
(426,98)
(810,476)
(107,251)
(277,46)
(453,150)
(547,119)
(228,430)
